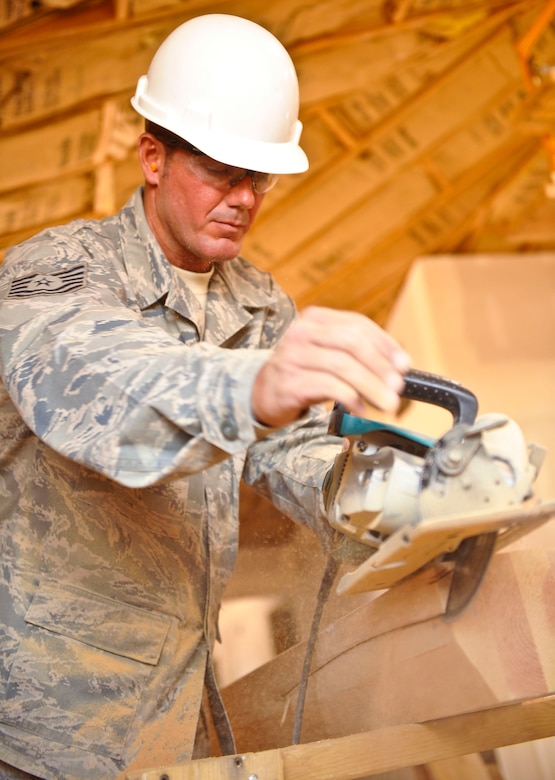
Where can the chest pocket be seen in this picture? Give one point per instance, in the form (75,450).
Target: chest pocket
(78,675)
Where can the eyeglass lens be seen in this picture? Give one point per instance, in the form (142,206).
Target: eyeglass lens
(224,176)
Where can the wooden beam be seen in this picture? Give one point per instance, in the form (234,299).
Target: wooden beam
(331,283)
(346,38)
(471,767)
(383,750)
(394,660)
(400,10)
(526,43)
(317,196)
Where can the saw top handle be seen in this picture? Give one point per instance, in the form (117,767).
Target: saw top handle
(443,392)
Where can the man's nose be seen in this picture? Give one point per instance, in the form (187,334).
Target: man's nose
(242,193)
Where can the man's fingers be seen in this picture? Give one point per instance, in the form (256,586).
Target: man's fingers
(357,335)
(332,374)
(356,350)
(330,355)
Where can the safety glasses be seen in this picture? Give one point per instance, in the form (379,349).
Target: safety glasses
(216,174)
(225,177)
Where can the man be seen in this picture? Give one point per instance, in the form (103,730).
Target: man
(147,369)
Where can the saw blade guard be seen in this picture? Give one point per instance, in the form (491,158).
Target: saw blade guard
(479,468)
(382,483)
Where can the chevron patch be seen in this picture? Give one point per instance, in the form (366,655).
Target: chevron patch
(49,284)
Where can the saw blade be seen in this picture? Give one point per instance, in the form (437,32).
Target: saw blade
(471,562)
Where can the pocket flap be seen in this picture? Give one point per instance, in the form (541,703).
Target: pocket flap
(99,621)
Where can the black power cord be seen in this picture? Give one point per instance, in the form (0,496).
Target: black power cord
(330,573)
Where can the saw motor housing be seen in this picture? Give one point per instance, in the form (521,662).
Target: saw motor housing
(389,477)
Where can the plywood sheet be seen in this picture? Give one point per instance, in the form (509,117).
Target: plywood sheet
(392,660)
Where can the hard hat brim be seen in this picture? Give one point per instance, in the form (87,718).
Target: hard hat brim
(255,155)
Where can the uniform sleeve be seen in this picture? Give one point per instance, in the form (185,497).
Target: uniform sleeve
(104,387)
(288,467)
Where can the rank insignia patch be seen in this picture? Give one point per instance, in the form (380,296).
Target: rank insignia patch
(49,284)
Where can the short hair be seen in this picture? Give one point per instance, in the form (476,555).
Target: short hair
(169,139)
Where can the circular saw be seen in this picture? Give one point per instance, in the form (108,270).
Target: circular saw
(413,499)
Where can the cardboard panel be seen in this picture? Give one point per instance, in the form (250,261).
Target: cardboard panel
(487,321)
(381,97)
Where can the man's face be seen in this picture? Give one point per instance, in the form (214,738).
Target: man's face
(199,210)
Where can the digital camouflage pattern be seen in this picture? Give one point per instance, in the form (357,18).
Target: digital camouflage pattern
(125,429)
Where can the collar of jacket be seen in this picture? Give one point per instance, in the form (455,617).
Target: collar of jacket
(153,279)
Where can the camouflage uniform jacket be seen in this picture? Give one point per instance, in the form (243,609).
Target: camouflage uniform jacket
(124,433)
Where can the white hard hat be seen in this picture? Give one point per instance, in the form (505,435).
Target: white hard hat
(228,87)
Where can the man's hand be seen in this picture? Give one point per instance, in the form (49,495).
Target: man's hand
(329,355)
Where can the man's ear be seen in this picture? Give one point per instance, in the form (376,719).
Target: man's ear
(151,157)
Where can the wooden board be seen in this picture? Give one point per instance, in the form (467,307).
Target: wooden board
(382,750)
(392,660)
(53,200)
